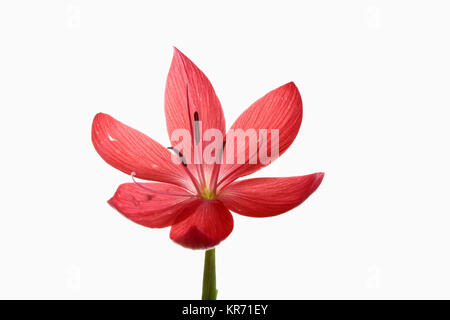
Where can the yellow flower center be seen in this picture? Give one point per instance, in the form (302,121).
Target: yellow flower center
(207,194)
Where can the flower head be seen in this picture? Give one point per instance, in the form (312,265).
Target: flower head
(192,196)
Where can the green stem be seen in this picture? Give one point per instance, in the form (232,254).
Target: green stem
(209,276)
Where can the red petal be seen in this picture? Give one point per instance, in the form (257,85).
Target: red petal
(279,109)
(265,197)
(151,209)
(202,99)
(130,151)
(206,227)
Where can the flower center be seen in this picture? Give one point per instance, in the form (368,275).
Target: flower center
(207,194)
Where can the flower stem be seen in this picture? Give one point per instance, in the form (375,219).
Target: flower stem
(209,276)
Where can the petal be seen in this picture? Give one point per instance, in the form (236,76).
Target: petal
(280,109)
(202,99)
(129,150)
(266,197)
(206,227)
(151,209)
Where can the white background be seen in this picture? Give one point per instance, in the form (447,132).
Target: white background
(374,77)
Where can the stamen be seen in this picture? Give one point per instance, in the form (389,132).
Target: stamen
(183,161)
(157,191)
(240,167)
(196,131)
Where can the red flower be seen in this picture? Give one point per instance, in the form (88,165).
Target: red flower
(195,199)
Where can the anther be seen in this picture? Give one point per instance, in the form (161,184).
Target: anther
(221,151)
(178,152)
(196,128)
